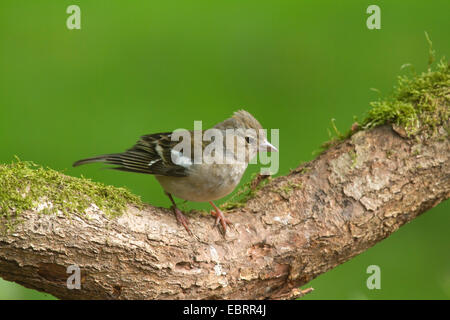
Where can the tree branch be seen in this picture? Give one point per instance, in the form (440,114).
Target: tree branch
(295,228)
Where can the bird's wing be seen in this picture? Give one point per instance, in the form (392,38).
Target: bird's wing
(152,154)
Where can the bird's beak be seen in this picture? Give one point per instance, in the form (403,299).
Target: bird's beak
(267,146)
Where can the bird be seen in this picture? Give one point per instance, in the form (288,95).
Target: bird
(193,177)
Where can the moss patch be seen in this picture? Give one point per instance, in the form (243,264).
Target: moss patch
(420,102)
(286,189)
(27,186)
(246,192)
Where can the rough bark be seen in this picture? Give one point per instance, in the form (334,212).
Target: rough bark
(296,227)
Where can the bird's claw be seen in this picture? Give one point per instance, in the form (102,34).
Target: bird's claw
(220,218)
(181,218)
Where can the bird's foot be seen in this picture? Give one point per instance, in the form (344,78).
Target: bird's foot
(220,218)
(181,218)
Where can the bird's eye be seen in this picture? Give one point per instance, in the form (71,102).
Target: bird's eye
(248,139)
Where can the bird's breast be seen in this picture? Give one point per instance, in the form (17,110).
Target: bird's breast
(205,182)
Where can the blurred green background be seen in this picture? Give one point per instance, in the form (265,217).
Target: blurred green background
(139,67)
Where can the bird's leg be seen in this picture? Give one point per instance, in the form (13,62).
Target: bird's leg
(181,218)
(220,217)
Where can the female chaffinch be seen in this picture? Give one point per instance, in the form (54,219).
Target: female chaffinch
(189,176)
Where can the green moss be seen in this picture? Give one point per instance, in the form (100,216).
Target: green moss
(335,137)
(304,170)
(246,192)
(286,189)
(389,153)
(354,157)
(418,103)
(27,186)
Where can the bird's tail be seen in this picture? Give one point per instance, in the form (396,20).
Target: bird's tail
(131,161)
(106,158)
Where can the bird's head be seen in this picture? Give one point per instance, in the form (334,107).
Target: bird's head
(248,132)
